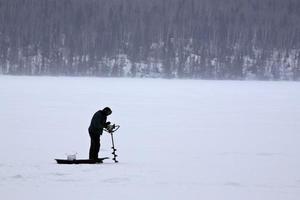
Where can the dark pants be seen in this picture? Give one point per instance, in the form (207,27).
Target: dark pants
(95,145)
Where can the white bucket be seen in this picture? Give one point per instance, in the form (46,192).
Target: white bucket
(71,157)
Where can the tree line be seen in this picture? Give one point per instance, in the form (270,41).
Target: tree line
(208,39)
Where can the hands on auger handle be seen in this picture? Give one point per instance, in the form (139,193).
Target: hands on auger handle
(111,129)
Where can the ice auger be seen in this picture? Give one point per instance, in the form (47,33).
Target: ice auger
(111,129)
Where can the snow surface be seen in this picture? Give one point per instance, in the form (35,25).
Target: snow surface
(179,139)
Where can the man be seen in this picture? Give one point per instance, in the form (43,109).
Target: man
(98,122)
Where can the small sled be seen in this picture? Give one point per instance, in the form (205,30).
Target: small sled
(80,161)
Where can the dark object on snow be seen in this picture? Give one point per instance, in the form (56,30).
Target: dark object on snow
(98,123)
(81,161)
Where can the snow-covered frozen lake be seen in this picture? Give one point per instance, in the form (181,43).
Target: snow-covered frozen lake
(179,139)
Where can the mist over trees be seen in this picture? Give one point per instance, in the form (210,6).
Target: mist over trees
(208,39)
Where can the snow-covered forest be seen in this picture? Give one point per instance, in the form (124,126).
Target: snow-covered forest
(207,39)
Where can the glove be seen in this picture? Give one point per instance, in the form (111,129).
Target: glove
(110,128)
(107,124)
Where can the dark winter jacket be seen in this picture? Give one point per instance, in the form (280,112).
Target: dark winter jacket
(98,122)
